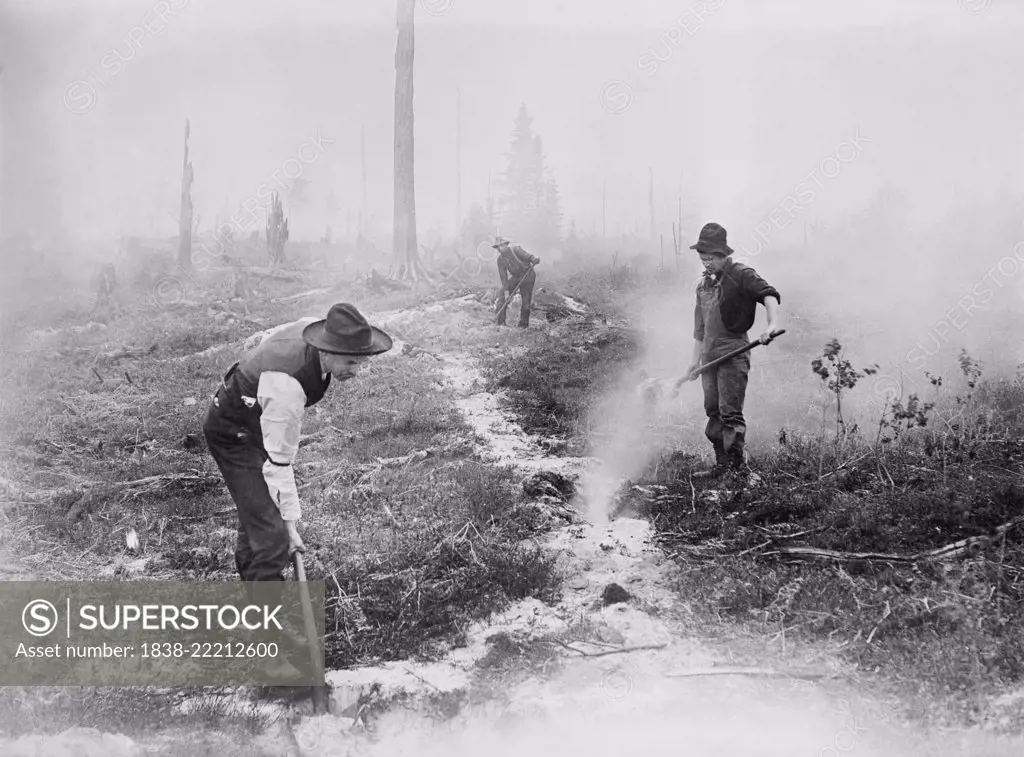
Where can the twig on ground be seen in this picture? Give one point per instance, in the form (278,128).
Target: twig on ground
(617,650)
(886,614)
(754,549)
(421,679)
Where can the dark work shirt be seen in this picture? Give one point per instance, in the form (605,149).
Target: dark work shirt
(736,291)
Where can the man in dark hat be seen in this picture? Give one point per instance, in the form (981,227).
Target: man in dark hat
(727,299)
(515,267)
(253,423)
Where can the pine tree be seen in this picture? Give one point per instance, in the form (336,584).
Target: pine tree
(529,203)
(513,200)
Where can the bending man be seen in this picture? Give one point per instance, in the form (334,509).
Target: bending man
(253,424)
(515,267)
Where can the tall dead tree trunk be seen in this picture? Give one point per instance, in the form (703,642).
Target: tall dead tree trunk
(458,162)
(185,220)
(363,220)
(650,204)
(604,208)
(277,232)
(404,247)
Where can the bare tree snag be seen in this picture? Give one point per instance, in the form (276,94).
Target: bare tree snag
(277,232)
(364,214)
(185,220)
(106,290)
(405,250)
(650,204)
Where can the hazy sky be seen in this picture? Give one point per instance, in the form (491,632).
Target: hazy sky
(748,99)
(571,14)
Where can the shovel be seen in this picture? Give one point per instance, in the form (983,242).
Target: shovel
(320,703)
(649,388)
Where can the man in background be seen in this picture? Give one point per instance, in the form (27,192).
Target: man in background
(515,268)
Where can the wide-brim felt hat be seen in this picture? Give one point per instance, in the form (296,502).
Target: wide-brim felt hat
(712,240)
(499,243)
(346,332)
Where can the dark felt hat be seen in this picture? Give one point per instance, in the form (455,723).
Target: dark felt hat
(712,240)
(346,332)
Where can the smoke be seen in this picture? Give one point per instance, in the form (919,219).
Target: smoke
(631,429)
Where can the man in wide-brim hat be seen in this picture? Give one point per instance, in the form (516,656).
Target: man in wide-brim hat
(727,299)
(516,267)
(253,423)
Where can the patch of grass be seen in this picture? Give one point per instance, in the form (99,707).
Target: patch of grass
(936,470)
(951,631)
(554,385)
(453,557)
(411,554)
(129,710)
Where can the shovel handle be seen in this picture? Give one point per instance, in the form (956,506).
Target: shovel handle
(729,356)
(320,700)
(513,294)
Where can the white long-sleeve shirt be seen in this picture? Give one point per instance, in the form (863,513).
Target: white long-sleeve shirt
(283,404)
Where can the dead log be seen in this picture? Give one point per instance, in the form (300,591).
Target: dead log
(123,354)
(969,547)
(300,295)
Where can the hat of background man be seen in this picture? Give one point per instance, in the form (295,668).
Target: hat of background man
(499,242)
(712,240)
(346,332)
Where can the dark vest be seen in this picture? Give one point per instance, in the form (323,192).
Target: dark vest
(285,352)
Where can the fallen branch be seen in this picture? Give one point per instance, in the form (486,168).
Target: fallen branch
(617,650)
(971,546)
(398,462)
(95,492)
(300,295)
(761,672)
(116,355)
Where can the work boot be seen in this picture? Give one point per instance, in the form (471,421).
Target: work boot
(721,463)
(739,471)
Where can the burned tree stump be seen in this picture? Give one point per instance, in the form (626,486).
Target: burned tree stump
(106,290)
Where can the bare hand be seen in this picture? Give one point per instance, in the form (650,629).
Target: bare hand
(688,376)
(294,540)
(766,338)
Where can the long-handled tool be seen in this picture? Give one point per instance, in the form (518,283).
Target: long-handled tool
(513,294)
(320,701)
(719,360)
(649,388)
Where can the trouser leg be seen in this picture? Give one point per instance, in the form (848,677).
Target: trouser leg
(261,552)
(526,293)
(503,305)
(732,389)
